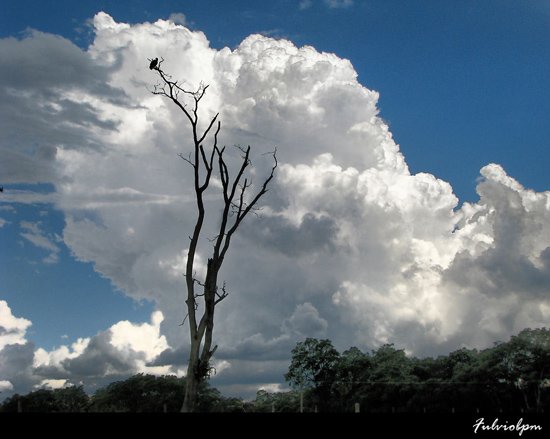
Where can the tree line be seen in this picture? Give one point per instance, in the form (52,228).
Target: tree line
(511,377)
(140,393)
(508,377)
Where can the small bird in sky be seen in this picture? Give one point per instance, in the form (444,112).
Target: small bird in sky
(153,63)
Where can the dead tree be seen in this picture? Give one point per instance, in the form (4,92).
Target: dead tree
(237,204)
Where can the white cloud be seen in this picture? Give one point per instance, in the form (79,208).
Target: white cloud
(272,388)
(51,384)
(16,353)
(351,246)
(123,349)
(56,357)
(5,386)
(348,230)
(144,338)
(12,329)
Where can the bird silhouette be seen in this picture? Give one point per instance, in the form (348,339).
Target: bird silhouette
(1,188)
(153,63)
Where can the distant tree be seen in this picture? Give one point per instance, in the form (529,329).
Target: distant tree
(389,383)
(280,402)
(149,394)
(38,401)
(523,365)
(70,399)
(509,376)
(352,372)
(237,204)
(140,393)
(313,365)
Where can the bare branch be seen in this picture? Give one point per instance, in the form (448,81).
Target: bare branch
(243,212)
(184,319)
(204,159)
(237,204)
(208,164)
(221,296)
(188,160)
(209,128)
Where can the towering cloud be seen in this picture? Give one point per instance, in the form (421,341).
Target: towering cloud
(350,245)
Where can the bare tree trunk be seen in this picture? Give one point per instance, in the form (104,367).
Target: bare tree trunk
(235,208)
(192,380)
(198,368)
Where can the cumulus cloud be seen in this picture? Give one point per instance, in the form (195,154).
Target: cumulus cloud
(122,350)
(12,329)
(305,322)
(16,352)
(350,245)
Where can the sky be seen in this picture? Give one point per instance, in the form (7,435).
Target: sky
(411,203)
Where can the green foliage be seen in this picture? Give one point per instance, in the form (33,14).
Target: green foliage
(70,399)
(285,402)
(313,363)
(313,366)
(140,393)
(149,393)
(510,376)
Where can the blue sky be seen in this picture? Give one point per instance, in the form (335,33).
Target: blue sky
(64,298)
(461,84)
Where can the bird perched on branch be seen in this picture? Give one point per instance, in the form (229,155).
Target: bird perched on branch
(153,63)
